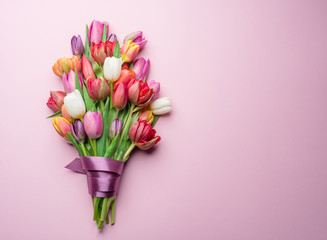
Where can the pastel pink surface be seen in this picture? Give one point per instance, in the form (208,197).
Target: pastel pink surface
(243,154)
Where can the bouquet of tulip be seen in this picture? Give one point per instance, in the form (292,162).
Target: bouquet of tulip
(107,109)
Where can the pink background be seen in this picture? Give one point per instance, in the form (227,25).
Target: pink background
(243,154)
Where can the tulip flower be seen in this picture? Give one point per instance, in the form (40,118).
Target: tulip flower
(112,37)
(120,96)
(77,46)
(126,75)
(137,38)
(141,68)
(115,128)
(139,92)
(96,30)
(87,68)
(74,104)
(102,50)
(129,50)
(147,116)
(156,88)
(65,114)
(93,124)
(112,68)
(56,100)
(77,130)
(64,65)
(69,81)
(161,106)
(62,127)
(98,88)
(143,135)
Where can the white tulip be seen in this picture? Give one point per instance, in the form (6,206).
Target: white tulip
(74,104)
(161,106)
(112,68)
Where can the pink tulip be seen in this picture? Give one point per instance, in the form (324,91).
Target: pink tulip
(93,124)
(156,88)
(141,68)
(69,81)
(96,30)
(137,38)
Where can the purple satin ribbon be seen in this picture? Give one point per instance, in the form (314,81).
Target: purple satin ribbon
(103,174)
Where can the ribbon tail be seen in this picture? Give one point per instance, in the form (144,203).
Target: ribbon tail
(76,166)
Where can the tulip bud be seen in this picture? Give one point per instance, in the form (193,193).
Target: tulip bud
(115,128)
(69,81)
(74,104)
(126,75)
(139,92)
(64,65)
(129,50)
(77,46)
(56,100)
(98,88)
(93,124)
(161,106)
(119,98)
(77,130)
(96,30)
(87,68)
(141,68)
(137,38)
(142,135)
(112,68)
(146,116)
(112,37)
(156,88)
(65,114)
(62,127)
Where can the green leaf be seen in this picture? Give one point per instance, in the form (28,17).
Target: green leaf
(117,50)
(155,119)
(131,65)
(104,33)
(55,114)
(87,51)
(72,139)
(77,83)
(90,106)
(97,69)
(103,140)
(112,146)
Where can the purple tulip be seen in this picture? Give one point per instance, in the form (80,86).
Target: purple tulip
(77,46)
(137,38)
(77,130)
(69,81)
(96,30)
(115,128)
(141,68)
(112,37)
(93,124)
(156,88)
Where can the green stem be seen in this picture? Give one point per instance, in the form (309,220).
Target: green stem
(113,210)
(111,93)
(128,152)
(94,146)
(117,112)
(125,127)
(102,105)
(83,149)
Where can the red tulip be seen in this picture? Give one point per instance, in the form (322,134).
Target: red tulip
(139,92)
(98,88)
(119,98)
(56,100)
(143,135)
(102,50)
(87,68)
